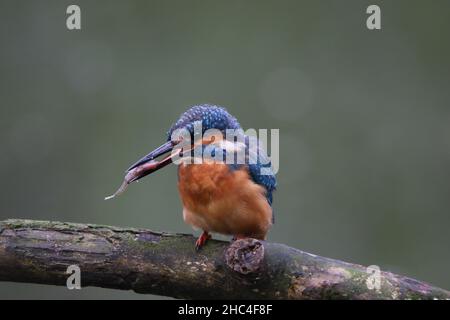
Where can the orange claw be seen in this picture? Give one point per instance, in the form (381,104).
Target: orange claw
(202,240)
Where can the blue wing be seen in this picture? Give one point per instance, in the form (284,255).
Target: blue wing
(259,166)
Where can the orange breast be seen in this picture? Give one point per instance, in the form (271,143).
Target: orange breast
(221,200)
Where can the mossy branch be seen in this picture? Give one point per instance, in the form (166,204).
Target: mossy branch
(167,264)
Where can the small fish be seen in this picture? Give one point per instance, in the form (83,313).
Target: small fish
(135,174)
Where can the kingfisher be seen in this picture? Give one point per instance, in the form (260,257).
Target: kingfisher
(218,195)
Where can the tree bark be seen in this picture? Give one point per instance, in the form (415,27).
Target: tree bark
(167,264)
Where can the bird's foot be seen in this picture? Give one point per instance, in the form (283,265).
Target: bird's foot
(202,240)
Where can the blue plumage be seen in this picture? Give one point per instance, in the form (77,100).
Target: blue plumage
(211,117)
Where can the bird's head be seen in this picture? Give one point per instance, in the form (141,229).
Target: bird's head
(208,116)
(193,123)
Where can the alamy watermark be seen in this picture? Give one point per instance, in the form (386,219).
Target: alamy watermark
(233,147)
(373,22)
(73,21)
(74,280)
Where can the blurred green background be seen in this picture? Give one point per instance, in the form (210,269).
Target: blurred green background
(364,118)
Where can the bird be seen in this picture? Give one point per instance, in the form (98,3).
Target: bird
(218,196)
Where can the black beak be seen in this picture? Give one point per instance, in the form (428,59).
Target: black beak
(148,164)
(166,147)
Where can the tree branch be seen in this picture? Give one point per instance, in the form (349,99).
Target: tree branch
(167,264)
